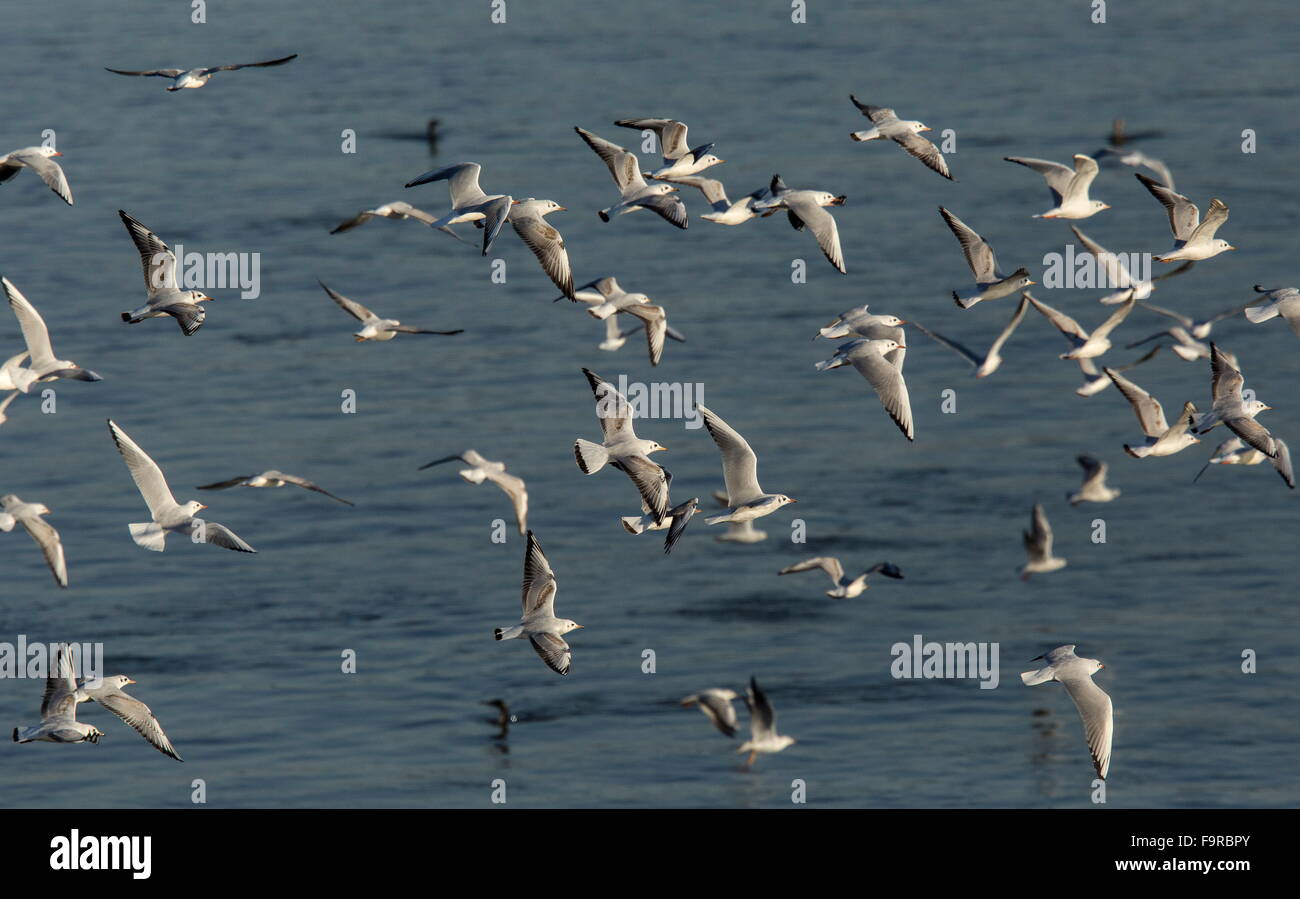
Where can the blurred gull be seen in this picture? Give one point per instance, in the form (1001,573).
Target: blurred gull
(1283,301)
(14,511)
(481,470)
(1084,344)
(845,587)
(1038,546)
(716,704)
(1094,488)
(1093,704)
(990,362)
(762,726)
(1234,451)
(398,210)
(1117,274)
(1187,335)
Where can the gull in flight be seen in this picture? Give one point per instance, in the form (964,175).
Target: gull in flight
(39,160)
(1091,701)
(845,587)
(1283,301)
(606,298)
(272,478)
(737,531)
(1038,546)
(745,498)
(634,192)
(1193,239)
(990,283)
(481,470)
(622,448)
(109,694)
(168,515)
(725,212)
(372,326)
(1234,451)
(616,335)
(538,623)
(1068,186)
(59,722)
(1084,345)
(1188,333)
(528,218)
(804,207)
(397,210)
(888,126)
(468,202)
(4,403)
(1162,439)
(762,726)
(716,704)
(44,366)
(1131,156)
(14,511)
(860,322)
(1094,381)
(165,297)
(1117,273)
(1094,488)
(191,78)
(990,362)
(875,361)
(679,158)
(1231,408)
(674,521)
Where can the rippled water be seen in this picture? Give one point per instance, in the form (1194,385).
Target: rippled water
(240,655)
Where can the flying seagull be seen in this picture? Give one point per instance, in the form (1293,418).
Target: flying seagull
(737,531)
(1117,273)
(397,210)
(1283,301)
(845,587)
(1038,546)
(872,359)
(272,478)
(804,207)
(14,511)
(190,78)
(481,470)
(622,449)
(39,160)
(716,704)
(165,296)
(468,202)
(988,363)
(1234,451)
(1068,186)
(1231,408)
(990,283)
(606,299)
(168,515)
(1084,344)
(725,212)
(907,134)
(44,366)
(135,713)
(634,192)
(538,623)
(59,722)
(1193,239)
(1162,439)
(372,326)
(527,217)
(674,520)
(762,726)
(745,498)
(1092,702)
(679,158)
(1094,488)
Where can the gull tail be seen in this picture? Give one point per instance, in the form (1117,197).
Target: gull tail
(1137,452)
(634,524)
(591,456)
(149,535)
(1257,314)
(870,134)
(718,519)
(604,214)
(1041,676)
(965,302)
(507,633)
(473,475)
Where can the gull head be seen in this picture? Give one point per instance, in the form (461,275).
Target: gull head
(1097,205)
(566,625)
(1221,245)
(118,681)
(1022,279)
(655,447)
(47,152)
(193,507)
(709,159)
(661,189)
(198,296)
(918,127)
(885,345)
(1254,407)
(892,321)
(825,198)
(780,500)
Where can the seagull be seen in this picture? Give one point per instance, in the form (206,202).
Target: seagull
(1283,301)
(1232,409)
(804,207)
(616,336)
(397,210)
(745,498)
(1093,489)
(679,158)
(468,202)
(1094,381)
(725,212)
(716,704)
(1235,452)
(1068,186)
(737,531)
(165,297)
(860,322)
(990,362)
(762,726)
(845,587)
(372,326)
(990,283)
(1038,546)
(190,78)
(1117,273)
(4,404)
(527,217)
(15,511)
(606,298)
(538,623)
(635,192)
(59,722)
(872,359)
(109,694)
(39,160)
(1190,329)
(481,470)
(1162,440)
(622,448)
(168,515)
(1084,345)
(1132,156)
(43,366)
(1091,701)
(907,135)
(674,520)
(1193,239)
(272,478)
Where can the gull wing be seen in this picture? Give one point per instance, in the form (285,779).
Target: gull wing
(739,463)
(157,259)
(148,477)
(979,255)
(539,581)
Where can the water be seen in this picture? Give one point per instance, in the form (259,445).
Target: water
(240,655)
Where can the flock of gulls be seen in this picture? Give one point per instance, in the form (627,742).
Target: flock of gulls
(875,346)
